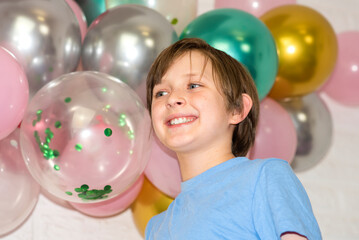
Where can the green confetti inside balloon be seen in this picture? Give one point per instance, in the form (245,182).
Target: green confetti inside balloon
(56,167)
(174,21)
(78,147)
(104,89)
(130,134)
(56,153)
(93,194)
(48,153)
(67,100)
(108,132)
(69,193)
(57,124)
(38,117)
(51,69)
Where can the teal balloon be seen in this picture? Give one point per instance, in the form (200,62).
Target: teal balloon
(92,8)
(242,36)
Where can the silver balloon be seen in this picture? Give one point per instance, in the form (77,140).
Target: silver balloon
(313,124)
(180,12)
(124,42)
(44,35)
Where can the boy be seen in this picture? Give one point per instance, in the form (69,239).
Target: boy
(204,106)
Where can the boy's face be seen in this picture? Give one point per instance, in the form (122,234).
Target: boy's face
(188,111)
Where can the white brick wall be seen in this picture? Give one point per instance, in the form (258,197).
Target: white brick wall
(332,185)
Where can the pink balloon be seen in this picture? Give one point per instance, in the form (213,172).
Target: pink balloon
(14,93)
(276,134)
(255,7)
(112,206)
(163,170)
(343,84)
(80,17)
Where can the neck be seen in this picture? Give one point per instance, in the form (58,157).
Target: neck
(195,163)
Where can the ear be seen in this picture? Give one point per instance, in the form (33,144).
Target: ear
(238,116)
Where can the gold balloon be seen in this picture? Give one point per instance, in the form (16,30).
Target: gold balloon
(149,203)
(307,49)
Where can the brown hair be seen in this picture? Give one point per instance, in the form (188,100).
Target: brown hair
(231,78)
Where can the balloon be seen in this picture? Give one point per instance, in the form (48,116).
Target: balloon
(343,84)
(276,135)
(163,169)
(14,93)
(124,41)
(307,49)
(179,13)
(313,124)
(44,36)
(112,206)
(19,190)
(86,137)
(149,203)
(92,8)
(80,16)
(242,36)
(255,7)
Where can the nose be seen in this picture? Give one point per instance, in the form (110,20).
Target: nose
(175,99)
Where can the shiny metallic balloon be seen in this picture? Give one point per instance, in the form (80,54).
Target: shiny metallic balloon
(148,203)
(307,49)
(124,42)
(313,123)
(44,35)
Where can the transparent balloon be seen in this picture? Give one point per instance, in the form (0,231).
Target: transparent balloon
(314,128)
(124,42)
(19,191)
(44,35)
(86,137)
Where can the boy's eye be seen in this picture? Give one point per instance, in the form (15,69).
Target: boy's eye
(193,85)
(160,94)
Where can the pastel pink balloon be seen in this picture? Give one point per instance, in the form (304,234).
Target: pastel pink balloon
(343,84)
(163,170)
(114,205)
(80,17)
(14,93)
(276,134)
(255,7)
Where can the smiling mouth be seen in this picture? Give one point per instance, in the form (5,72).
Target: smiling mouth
(181,120)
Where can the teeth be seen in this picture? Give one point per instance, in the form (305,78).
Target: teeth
(180,120)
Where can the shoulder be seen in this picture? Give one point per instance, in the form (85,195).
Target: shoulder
(280,202)
(152,225)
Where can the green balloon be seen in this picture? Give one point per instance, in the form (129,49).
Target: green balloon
(92,8)
(242,36)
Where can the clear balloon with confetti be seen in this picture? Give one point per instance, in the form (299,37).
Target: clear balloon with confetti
(86,137)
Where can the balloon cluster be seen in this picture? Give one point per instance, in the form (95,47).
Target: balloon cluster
(85,136)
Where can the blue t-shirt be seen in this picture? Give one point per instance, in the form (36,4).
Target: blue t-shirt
(238,199)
